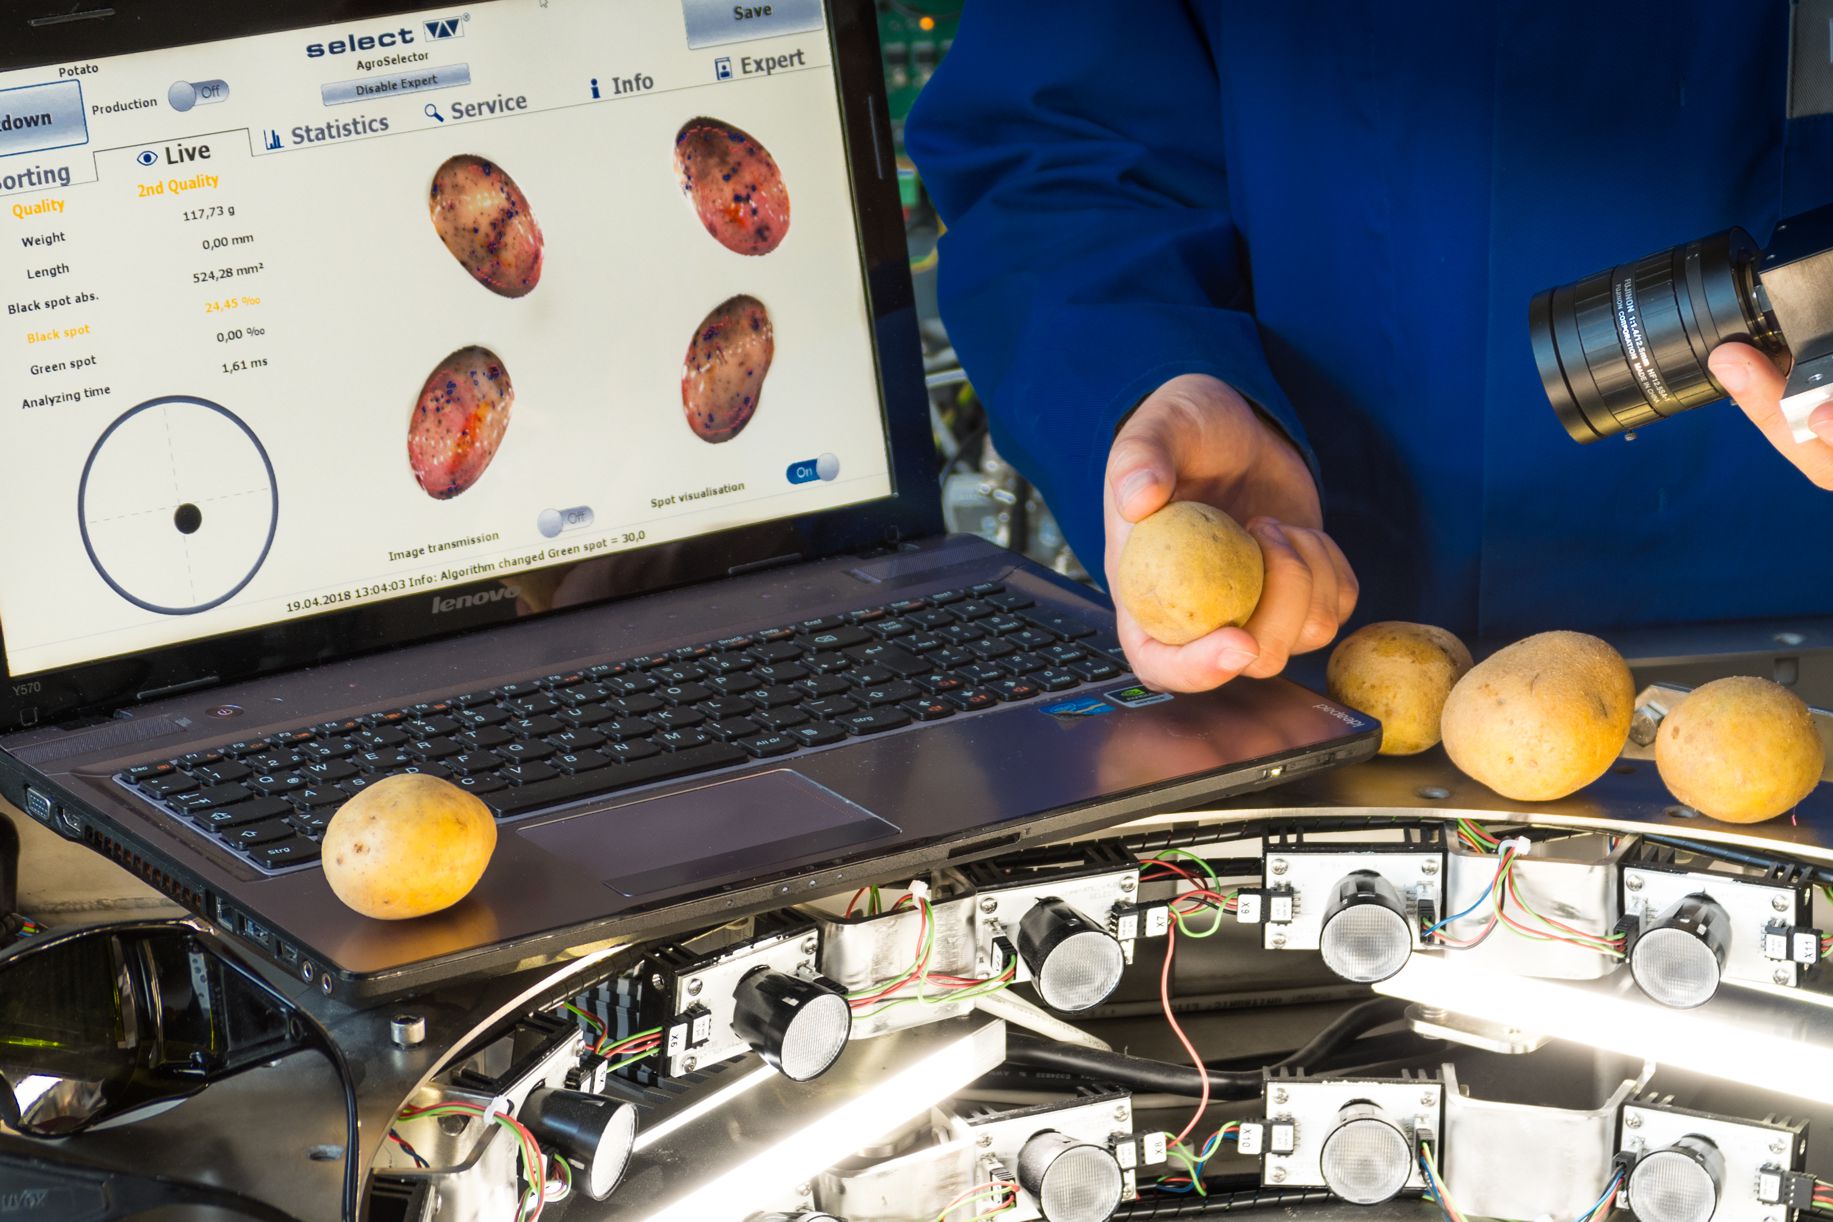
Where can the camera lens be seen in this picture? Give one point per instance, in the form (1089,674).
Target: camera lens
(1624,348)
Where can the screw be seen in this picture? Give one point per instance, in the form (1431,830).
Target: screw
(689,1063)
(989,905)
(1778,1146)
(1120,1113)
(803,1190)
(1277,1175)
(655,980)
(693,988)
(1128,883)
(1513,1033)
(1779,903)
(1633,883)
(1428,867)
(1782,976)
(1632,1121)
(1428,1099)
(1643,725)
(984,1140)
(1279,1096)
(1277,866)
(810,945)
(1279,940)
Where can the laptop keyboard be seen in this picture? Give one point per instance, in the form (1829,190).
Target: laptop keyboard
(533,744)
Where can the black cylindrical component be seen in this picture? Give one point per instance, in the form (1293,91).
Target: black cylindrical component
(1677,1183)
(1366,935)
(800,1027)
(1627,347)
(1074,962)
(1070,1180)
(595,1134)
(1678,958)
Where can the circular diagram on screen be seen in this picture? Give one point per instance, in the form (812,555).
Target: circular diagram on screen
(177,505)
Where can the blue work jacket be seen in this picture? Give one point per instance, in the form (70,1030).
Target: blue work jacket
(1343,210)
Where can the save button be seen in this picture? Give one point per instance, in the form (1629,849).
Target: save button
(711,23)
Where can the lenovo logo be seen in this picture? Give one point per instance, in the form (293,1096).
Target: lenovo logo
(459,602)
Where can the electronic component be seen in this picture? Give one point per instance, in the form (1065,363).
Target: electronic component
(1071,1180)
(1074,962)
(1356,1137)
(595,1134)
(1074,1159)
(1691,1166)
(1754,924)
(1359,904)
(800,1027)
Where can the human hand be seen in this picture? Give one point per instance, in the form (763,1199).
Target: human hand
(1756,384)
(1195,439)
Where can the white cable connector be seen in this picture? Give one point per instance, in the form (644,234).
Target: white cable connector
(499,1106)
(1521,844)
(919,889)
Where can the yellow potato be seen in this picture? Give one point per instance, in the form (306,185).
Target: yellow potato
(1400,673)
(408,845)
(1188,570)
(1740,749)
(1541,718)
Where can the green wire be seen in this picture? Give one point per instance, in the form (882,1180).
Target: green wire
(1201,861)
(983,1194)
(1215,923)
(631,1060)
(929,942)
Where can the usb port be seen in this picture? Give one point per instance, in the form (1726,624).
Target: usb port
(257,934)
(287,952)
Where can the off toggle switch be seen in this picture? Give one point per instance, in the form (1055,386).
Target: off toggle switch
(183,95)
(551,522)
(826,468)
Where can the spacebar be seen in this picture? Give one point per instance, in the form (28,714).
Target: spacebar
(664,767)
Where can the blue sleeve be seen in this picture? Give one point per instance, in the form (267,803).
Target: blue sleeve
(1075,154)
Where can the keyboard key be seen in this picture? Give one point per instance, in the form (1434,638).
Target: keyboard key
(832,707)
(892,629)
(663,767)
(774,697)
(932,709)
(688,653)
(817,734)
(315,797)
(735,727)
(1063,625)
(486,738)
(632,749)
(1022,663)
(583,693)
(531,727)
(311,823)
(725,663)
(869,676)
(480,784)
(941,683)
(783,718)
(720,707)
(975,608)
(1095,668)
(631,684)
(766,745)
(1063,653)
(478,761)
(585,714)
(823,685)
(525,751)
(679,673)
(960,634)
(276,761)
(905,605)
(992,647)
(971,698)
(378,738)
(531,773)
(934,618)
(484,715)
(684,693)
(265,832)
(382,761)
(822,624)
(140,772)
(215,795)
(328,772)
(218,773)
(774,651)
(874,721)
(1017,689)
(253,811)
(984,588)
(1010,601)
(681,740)
(635,706)
(827,663)
(735,684)
(677,719)
(1031,638)
(432,768)
(286,853)
(167,785)
(774,673)
(950,656)
(278,782)
(427,727)
(982,672)
(942,598)
(887,693)
(581,761)
(325,749)
(577,740)
(731,643)
(629,727)
(440,748)
(1055,678)
(843,637)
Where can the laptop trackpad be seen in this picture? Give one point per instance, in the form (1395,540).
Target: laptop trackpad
(744,827)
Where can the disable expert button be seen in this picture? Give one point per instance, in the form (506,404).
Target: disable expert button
(712,24)
(395,84)
(35,118)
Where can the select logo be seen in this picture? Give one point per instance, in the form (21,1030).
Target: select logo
(446,27)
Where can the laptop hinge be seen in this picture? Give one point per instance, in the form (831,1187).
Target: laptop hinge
(188,685)
(774,562)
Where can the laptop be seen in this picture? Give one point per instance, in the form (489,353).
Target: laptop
(526,393)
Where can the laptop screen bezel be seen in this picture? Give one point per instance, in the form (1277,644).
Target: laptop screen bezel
(41,34)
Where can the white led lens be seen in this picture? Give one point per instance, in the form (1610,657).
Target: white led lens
(1366,1159)
(1365,936)
(1074,962)
(1071,1181)
(1678,958)
(816,1036)
(1677,1184)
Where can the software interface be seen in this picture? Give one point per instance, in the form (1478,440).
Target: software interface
(301,321)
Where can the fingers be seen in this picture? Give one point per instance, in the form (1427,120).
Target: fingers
(1285,599)
(1757,386)
(1141,466)
(1821,421)
(1204,663)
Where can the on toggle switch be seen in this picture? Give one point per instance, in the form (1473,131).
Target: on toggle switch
(807,471)
(551,522)
(183,95)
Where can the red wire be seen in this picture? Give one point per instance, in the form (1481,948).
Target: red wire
(860,1003)
(1164,996)
(854,900)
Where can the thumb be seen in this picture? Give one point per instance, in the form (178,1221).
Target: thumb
(1140,470)
(1746,374)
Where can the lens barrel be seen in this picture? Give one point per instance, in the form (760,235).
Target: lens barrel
(1625,348)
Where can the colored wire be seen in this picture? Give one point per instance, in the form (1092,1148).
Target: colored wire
(1195,1163)
(533,1165)
(408,1149)
(1501,890)
(991,1189)
(1429,1167)
(1164,996)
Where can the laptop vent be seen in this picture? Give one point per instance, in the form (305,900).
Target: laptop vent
(110,735)
(145,870)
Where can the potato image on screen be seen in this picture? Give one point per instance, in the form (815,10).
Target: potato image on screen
(1740,750)
(1541,718)
(1188,570)
(734,185)
(723,375)
(408,845)
(459,421)
(1402,674)
(484,220)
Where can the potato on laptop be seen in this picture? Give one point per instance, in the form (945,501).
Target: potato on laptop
(408,845)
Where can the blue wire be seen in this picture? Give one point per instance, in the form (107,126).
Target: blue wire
(1481,900)
(1602,1197)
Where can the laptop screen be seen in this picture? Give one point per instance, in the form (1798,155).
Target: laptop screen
(304,320)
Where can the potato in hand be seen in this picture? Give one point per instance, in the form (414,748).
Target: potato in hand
(1401,674)
(1188,570)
